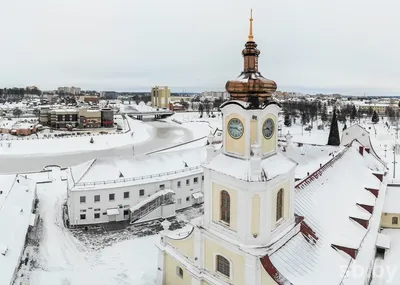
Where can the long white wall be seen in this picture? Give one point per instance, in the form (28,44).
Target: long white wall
(183,187)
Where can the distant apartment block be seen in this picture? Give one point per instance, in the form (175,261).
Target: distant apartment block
(379,107)
(160,96)
(69,90)
(111,95)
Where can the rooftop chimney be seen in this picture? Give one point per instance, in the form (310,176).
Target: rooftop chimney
(210,147)
(255,162)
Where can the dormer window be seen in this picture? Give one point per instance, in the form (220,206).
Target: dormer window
(225,207)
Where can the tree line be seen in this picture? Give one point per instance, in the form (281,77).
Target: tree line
(309,111)
(19,91)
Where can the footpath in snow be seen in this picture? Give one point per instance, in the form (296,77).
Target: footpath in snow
(60,258)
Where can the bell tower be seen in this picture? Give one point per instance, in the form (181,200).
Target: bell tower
(251,115)
(249,175)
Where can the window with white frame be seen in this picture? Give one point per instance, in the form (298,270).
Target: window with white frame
(223,266)
(82,199)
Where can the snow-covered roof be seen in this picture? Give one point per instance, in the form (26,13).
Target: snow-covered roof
(391,260)
(383,241)
(22,125)
(17,193)
(273,166)
(140,169)
(331,202)
(392,201)
(309,157)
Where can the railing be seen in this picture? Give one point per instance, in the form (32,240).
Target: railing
(151,206)
(138,177)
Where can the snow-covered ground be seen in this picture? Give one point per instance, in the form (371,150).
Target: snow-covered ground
(139,132)
(193,120)
(79,257)
(147,137)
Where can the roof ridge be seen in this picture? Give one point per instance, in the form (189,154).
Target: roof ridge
(322,169)
(86,171)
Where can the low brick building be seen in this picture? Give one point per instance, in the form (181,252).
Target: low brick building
(89,118)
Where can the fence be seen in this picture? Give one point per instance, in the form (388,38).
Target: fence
(138,177)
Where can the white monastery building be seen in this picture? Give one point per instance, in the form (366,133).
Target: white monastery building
(260,226)
(136,188)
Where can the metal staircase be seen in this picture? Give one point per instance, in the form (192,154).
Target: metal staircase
(158,201)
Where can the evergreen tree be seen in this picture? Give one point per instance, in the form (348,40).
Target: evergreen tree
(334,138)
(344,127)
(91,140)
(341,117)
(375,117)
(305,118)
(201,110)
(324,114)
(288,120)
(353,113)
(370,111)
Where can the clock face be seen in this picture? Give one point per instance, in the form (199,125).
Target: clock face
(235,128)
(268,128)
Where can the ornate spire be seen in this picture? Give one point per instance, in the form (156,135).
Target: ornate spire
(251,86)
(251,39)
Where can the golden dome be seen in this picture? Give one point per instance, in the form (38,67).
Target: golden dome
(251,84)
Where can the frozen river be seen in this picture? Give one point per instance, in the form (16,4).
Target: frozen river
(163,135)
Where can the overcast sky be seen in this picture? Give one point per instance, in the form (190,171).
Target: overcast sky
(312,45)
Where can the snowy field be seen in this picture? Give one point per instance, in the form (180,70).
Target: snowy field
(32,155)
(78,257)
(139,132)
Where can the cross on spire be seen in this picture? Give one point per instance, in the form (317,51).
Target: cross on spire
(251,39)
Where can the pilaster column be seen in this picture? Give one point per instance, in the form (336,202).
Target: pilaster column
(251,273)
(160,268)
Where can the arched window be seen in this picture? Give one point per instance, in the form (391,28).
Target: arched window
(223,265)
(279,205)
(225,207)
(395,220)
